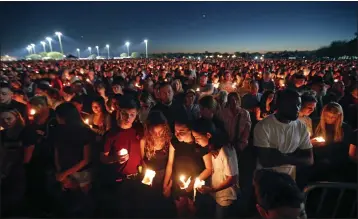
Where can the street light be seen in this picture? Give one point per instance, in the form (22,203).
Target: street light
(33,47)
(107,50)
(146,48)
(127,44)
(43,45)
(49,39)
(97,50)
(90,50)
(59,34)
(78,52)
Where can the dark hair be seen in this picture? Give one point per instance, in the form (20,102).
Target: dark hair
(182,119)
(156,118)
(69,113)
(283,95)
(119,81)
(264,97)
(208,102)
(275,190)
(77,99)
(68,90)
(204,126)
(308,97)
(164,84)
(101,103)
(128,102)
(5,85)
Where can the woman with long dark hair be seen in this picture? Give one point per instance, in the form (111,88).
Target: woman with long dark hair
(266,103)
(100,120)
(72,155)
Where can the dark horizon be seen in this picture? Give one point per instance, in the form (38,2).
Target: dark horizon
(176,26)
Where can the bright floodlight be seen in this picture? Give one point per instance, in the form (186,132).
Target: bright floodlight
(49,39)
(89,48)
(78,49)
(127,43)
(58,33)
(43,43)
(107,46)
(146,41)
(33,45)
(96,47)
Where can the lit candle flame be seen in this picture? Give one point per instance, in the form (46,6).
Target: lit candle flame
(197,89)
(148,177)
(87,121)
(166,80)
(320,139)
(123,152)
(32,112)
(335,80)
(186,183)
(217,85)
(137,85)
(234,85)
(88,80)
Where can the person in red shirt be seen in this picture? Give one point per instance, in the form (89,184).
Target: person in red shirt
(55,81)
(122,151)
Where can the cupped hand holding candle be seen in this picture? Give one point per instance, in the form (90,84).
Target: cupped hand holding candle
(319,139)
(185,184)
(123,155)
(148,177)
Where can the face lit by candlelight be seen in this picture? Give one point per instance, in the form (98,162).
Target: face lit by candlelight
(308,108)
(330,118)
(200,139)
(127,117)
(8,119)
(183,133)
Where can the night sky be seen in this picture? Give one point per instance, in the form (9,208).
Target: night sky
(176,26)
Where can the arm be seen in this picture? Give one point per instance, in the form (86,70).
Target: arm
(208,167)
(108,122)
(85,160)
(169,168)
(270,157)
(142,153)
(28,153)
(227,183)
(105,157)
(57,162)
(245,128)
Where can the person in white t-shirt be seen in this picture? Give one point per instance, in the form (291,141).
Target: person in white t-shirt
(281,139)
(225,166)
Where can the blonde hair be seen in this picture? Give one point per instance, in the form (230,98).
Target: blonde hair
(336,109)
(156,119)
(19,125)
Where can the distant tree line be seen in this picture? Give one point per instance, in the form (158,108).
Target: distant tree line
(334,50)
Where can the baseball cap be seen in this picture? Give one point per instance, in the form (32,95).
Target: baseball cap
(190,91)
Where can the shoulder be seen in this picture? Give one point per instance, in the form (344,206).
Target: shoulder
(244,112)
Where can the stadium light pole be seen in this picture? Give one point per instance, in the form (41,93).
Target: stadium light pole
(78,52)
(43,45)
(127,44)
(59,34)
(29,49)
(107,50)
(49,39)
(90,50)
(146,48)
(97,50)
(33,47)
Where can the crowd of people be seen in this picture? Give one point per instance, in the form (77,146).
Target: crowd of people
(223,137)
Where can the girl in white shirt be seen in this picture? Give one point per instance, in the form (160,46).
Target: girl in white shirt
(225,166)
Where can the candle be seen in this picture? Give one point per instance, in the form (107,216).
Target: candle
(32,112)
(166,80)
(319,139)
(185,183)
(88,80)
(148,177)
(197,184)
(1,128)
(217,85)
(87,121)
(233,85)
(197,89)
(123,152)
(335,80)
(137,85)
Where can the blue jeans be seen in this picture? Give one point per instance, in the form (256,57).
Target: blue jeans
(222,211)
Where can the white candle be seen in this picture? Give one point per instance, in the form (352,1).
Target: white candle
(197,184)
(123,152)
(148,177)
(320,139)
(32,112)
